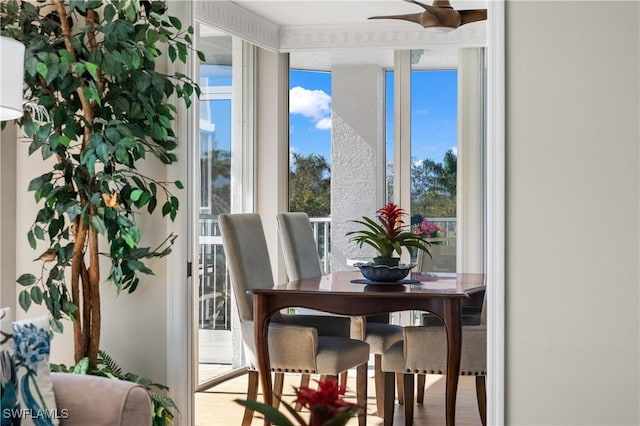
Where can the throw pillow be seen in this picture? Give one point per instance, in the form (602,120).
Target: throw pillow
(8,379)
(35,390)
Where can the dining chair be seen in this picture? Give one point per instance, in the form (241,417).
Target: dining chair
(423,350)
(301,261)
(297,343)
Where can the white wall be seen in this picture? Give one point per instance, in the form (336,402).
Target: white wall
(572,279)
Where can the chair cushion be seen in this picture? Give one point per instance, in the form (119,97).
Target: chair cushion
(338,354)
(381,336)
(424,350)
(299,349)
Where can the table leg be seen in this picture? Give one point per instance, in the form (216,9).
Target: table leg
(261,332)
(454,350)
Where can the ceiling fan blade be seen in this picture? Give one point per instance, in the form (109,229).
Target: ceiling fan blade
(441,14)
(411,17)
(474,15)
(444,17)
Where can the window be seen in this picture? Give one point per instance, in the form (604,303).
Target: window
(310,152)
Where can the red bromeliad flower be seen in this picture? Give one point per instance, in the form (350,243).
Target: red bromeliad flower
(325,403)
(390,216)
(326,406)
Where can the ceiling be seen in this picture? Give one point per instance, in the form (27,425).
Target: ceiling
(338,15)
(331,12)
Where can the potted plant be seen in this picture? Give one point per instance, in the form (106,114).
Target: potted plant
(98,106)
(387,234)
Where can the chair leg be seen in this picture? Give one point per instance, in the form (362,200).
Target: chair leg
(421,384)
(361,393)
(252,395)
(389,397)
(408,399)
(400,380)
(343,378)
(304,382)
(481,395)
(379,382)
(278,385)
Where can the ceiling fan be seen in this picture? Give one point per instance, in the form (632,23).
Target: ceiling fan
(440,14)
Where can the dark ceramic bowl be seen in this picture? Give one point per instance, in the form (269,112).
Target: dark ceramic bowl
(384,273)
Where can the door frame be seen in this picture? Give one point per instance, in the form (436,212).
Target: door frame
(180,321)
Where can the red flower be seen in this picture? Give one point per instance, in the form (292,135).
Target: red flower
(390,216)
(324,403)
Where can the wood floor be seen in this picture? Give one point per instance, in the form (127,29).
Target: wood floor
(216,406)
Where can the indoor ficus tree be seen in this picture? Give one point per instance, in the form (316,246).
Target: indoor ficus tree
(101,108)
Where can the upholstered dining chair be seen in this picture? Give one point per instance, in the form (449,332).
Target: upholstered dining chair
(327,349)
(423,350)
(301,261)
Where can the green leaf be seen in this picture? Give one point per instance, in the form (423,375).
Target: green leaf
(102,152)
(129,240)
(98,224)
(36,295)
(175,22)
(26,279)
(80,68)
(135,194)
(25,300)
(42,69)
(82,367)
(56,325)
(32,239)
(93,70)
(38,232)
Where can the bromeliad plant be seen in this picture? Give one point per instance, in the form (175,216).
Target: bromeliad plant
(104,107)
(388,234)
(325,404)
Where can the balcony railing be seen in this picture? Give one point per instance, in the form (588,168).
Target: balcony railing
(214,286)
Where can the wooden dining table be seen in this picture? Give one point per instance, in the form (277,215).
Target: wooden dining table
(336,293)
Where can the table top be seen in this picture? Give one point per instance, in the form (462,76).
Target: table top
(340,283)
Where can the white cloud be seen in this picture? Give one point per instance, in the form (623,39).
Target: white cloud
(455,150)
(313,104)
(324,124)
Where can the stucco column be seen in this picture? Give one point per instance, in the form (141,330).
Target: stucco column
(471,160)
(357,154)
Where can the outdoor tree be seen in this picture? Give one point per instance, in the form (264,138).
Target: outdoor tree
(433,186)
(98,108)
(310,185)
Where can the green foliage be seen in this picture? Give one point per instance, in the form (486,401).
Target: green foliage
(109,109)
(433,187)
(163,406)
(310,185)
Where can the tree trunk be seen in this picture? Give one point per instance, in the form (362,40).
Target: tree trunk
(77,263)
(94,285)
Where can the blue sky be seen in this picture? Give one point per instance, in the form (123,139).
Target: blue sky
(433,120)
